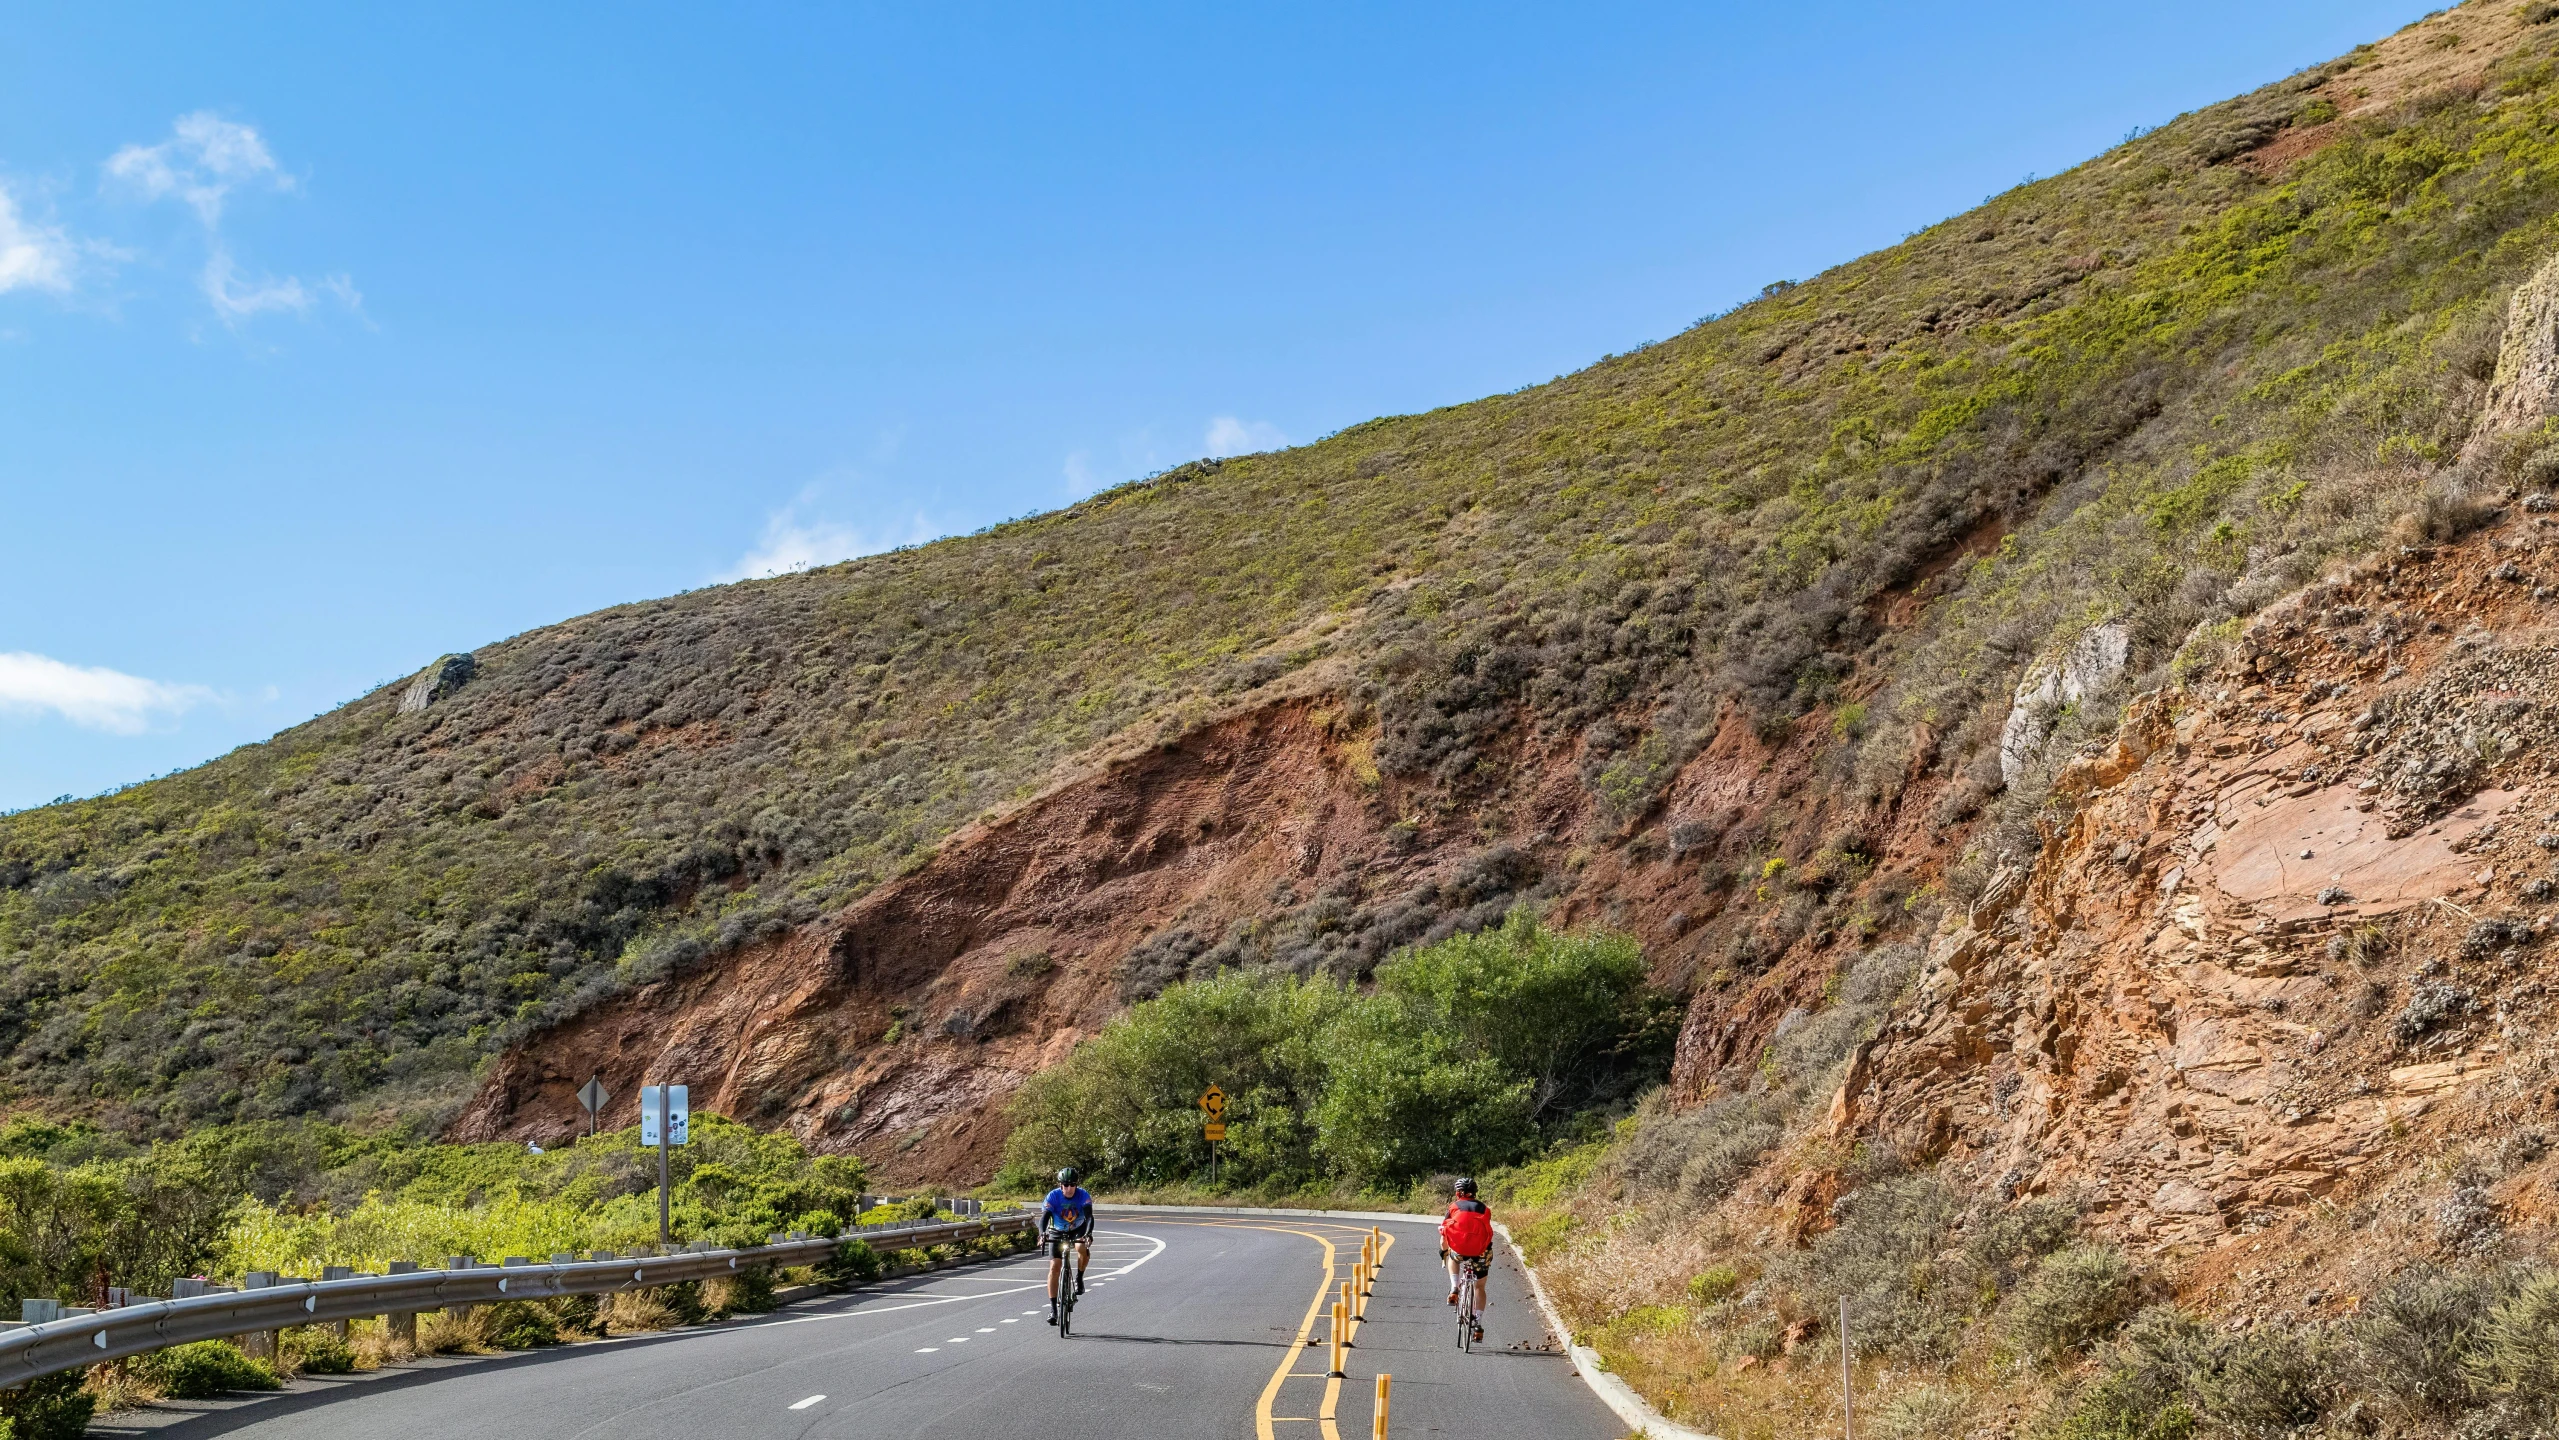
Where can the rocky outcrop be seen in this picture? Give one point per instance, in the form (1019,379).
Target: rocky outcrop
(2289,943)
(448,674)
(2094,661)
(2525,389)
(899,1027)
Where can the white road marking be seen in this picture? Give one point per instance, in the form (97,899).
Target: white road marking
(1140,1260)
(1010,1320)
(929,1349)
(804,1404)
(986,1329)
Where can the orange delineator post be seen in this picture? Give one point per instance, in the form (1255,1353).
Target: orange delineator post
(1349,1306)
(1341,1318)
(1384,1383)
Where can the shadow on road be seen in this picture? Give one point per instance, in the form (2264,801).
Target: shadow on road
(175,1420)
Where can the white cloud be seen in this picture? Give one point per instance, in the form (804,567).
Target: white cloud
(203,161)
(33,256)
(89,696)
(792,543)
(234,298)
(1228,435)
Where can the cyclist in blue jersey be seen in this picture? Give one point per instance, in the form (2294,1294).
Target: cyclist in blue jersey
(1068,1215)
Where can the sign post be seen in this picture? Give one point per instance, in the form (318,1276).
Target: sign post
(665,1120)
(1213,1104)
(593,1096)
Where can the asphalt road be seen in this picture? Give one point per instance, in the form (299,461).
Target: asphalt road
(1192,1327)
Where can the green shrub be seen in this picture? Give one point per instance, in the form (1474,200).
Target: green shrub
(583,1313)
(2517,1354)
(2415,1339)
(854,1262)
(2270,1380)
(2006,1243)
(521,1325)
(1443,1068)
(1925,1412)
(2075,1298)
(1884,1259)
(751,1292)
(204,1368)
(318,1350)
(50,1407)
(1714,1284)
(2147,1389)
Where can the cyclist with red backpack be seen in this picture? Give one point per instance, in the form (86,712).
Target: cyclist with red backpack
(1466,1243)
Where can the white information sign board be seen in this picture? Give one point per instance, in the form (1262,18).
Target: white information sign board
(678,1114)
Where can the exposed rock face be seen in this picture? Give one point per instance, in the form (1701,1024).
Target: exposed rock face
(899,1027)
(2094,661)
(2526,386)
(2257,967)
(448,674)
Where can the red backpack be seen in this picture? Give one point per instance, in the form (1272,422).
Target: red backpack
(1468,1230)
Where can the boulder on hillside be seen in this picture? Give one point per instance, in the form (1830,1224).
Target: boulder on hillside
(2094,661)
(448,674)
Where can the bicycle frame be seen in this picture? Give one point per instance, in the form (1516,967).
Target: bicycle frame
(1061,1251)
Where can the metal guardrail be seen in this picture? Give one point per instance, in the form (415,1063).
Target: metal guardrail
(30,1351)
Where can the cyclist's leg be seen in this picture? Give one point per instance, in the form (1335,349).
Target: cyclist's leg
(1455,1270)
(1083,1259)
(1483,1273)
(1056,1259)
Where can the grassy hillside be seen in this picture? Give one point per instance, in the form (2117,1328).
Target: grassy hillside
(2159,387)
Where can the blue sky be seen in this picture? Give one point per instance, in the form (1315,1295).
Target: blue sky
(334,337)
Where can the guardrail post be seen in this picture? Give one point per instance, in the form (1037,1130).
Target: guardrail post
(402,1325)
(460,1262)
(265,1345)
(1385,1383)
(338,1272)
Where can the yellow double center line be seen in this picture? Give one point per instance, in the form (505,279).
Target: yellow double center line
(1265,1420)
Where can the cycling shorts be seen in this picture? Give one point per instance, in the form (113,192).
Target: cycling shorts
(1080,1233)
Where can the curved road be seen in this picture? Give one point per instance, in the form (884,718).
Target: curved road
(1193,1326)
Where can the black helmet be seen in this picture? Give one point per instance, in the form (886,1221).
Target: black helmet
(1066,1176)
(1465,1187)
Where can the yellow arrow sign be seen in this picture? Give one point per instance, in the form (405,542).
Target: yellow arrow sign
(1214,1102)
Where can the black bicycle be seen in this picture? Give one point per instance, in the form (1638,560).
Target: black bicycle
(1470,1270)
(1061,1249)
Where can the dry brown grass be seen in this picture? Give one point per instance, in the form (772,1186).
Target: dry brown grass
(638,1310)
(446,1333)
(115,1386)
(376,1346)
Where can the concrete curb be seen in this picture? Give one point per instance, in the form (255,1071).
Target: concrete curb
(1616,1394)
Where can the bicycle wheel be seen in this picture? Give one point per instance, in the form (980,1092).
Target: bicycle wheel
(1465,1307)
(1065,1289)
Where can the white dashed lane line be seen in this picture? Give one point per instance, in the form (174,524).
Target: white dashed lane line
(804,1404)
